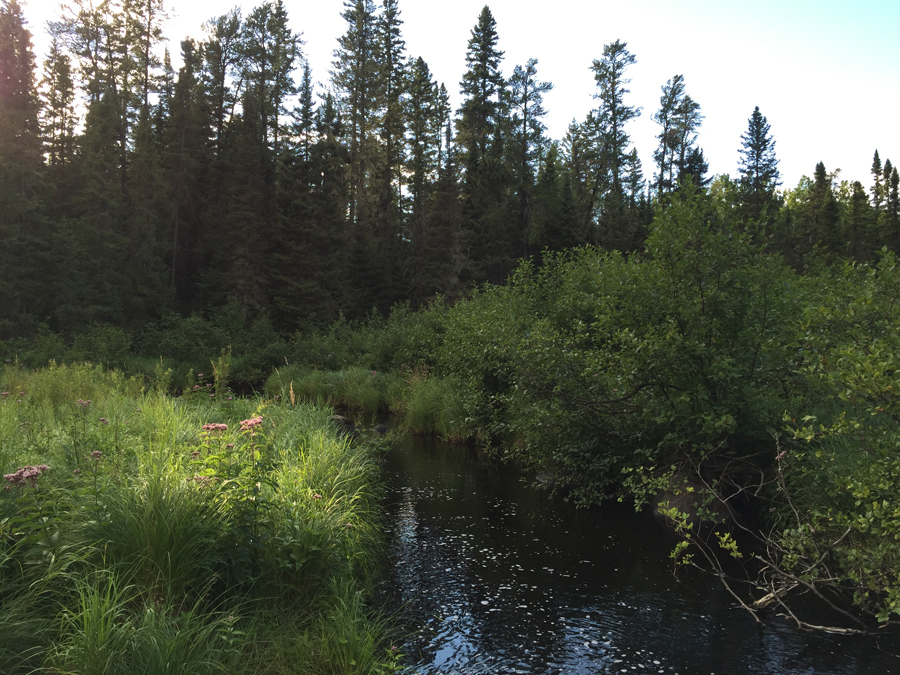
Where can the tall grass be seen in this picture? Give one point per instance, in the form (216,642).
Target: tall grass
(423,404)
(152,544)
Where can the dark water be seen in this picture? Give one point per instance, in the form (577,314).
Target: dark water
(496,577)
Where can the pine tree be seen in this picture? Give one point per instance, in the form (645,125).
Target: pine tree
(423,140)
(144,23)
(481,85)
(59,117)
(526,103)
(492,239)
(388,178)
(306,115)
(759,175)
(669,104)
(612,113)
(187,160)
(221,56)
(696,167)
(146,293)
(355,78)
(270,53)
(857,224)
(893,209)
(22,278)
(239,247)
(877,185)
(825,213)
(310,261)
(610,118)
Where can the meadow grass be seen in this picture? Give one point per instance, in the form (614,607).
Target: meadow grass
(200,534)
(422,404)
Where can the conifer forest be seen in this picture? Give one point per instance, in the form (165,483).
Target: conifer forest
(623,328)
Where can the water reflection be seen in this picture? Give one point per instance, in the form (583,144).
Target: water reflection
(497,578)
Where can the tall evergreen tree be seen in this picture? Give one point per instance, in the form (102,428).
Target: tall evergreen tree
(222,56)
(355,77)
(21,220)
(857,224)
(680,117)
(306,113)
(310,262)
(187,162)
(877,185)
(526,102)
(893,209)
(492,236)
(480,87)
(758,167)
(670,102)
(240,245)
(611,116)
(612,113)
(271,53)
(59,117)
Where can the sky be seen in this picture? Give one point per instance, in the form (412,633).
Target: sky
(825,73)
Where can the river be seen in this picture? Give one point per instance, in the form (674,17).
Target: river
(494,576)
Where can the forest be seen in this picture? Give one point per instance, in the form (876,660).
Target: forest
(132,193)
(623,332)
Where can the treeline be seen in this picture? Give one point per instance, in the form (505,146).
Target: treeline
(130,192)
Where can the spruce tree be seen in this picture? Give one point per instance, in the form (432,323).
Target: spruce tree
(877,185)
(59,117)
(492,240)
(22,231)
(758,167)
(893,209)
(526,102)
(858,224)
(187,160)
(354,76)
(270,53)
(221,56)
(480,87)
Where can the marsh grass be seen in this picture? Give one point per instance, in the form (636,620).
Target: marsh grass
(423,404)
(357,389)
(153,545)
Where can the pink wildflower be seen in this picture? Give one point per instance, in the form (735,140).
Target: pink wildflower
(27,475)
(213,428)
(251,424)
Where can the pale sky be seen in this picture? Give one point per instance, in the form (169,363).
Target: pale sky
(826,73)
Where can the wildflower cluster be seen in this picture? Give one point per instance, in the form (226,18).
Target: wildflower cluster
(27,475)
(214,428)
(251,424)
(84,404)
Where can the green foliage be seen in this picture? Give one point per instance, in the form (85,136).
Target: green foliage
(134,539)
(842,466)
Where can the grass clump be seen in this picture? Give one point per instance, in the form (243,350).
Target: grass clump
(142,533)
